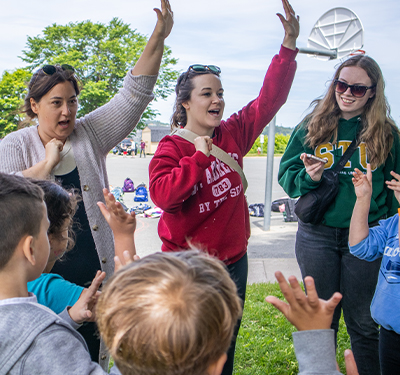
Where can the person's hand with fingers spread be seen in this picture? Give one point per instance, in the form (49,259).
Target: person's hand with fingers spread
(394,185)
(165,19)
(363,183)
(290,24)
(313,168)
(310,313)
(83,309)
(305,312)
(121,223)
(359,228)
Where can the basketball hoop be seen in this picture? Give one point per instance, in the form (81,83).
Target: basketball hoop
(357,52)
(337,33)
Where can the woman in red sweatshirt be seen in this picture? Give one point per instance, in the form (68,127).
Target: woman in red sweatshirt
(203,198)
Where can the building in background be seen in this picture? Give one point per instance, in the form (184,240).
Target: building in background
(152,135)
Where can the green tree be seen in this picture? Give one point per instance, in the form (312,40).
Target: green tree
(12,91)
(101,55)
(281,142)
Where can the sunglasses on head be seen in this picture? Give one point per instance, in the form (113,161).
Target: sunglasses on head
(51,69)
(198,68)
(356,90)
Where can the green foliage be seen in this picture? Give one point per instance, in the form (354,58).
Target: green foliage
(281,142)
(101,55)
(264,344)
(12,92)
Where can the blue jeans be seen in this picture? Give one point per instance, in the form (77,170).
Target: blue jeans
(323,253)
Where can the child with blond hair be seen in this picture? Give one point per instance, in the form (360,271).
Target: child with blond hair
(174,314)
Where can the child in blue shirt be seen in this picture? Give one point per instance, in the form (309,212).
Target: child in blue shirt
(373,243)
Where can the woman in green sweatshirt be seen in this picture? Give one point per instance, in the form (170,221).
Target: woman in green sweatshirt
(354,104)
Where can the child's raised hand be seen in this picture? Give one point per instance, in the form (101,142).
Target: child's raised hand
(127,258)
(395,185)
(362,182)
(122,224)
(83,310)
(115,215)
(305,312)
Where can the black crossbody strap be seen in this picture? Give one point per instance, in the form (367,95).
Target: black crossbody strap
(346,156)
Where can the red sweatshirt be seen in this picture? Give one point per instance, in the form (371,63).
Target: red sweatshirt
(202,198)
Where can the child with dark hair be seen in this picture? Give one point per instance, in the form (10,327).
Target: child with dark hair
(51,289)
(33,339)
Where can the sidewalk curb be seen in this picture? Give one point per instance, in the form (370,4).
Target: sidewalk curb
(263,270)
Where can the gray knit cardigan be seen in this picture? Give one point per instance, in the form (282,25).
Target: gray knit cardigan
(93,137)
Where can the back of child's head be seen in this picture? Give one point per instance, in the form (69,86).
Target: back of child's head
(21,213)
(61,207)
(169,313)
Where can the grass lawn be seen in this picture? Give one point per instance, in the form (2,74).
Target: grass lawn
(264,344)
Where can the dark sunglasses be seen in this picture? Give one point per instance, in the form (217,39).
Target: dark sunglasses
(356,90)
(51,69)
(198,68)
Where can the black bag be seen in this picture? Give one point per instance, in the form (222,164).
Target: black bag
(311,207)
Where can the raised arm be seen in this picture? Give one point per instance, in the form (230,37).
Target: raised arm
(290,24)
(121,223)
(150,60)
(305,312)
(246,125)
(314,346)
(359,228)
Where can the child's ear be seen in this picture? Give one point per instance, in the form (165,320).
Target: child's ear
(27,248)
(217,367)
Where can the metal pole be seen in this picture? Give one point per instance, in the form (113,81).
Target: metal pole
(310,51)
(269,176)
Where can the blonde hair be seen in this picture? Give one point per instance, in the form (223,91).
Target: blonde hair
(377,125)
(169,313)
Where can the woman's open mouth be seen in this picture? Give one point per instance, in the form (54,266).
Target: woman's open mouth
(64,124)
(214,112)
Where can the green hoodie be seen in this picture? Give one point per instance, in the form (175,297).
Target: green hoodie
(295,181)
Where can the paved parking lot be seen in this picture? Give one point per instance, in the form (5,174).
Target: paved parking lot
(268,251)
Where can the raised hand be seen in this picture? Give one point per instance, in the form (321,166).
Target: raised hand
(362,183)
(290,24)
(116,217)
(305,312)
(83,310)
(121,223)
(127,259)
(314,168)
(395,185)
(165,19)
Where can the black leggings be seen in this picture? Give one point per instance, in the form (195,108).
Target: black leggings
(238,272)
(389,352)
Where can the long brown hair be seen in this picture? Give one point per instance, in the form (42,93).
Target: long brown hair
(377,124)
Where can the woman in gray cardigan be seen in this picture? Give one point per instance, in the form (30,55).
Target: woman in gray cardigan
(74,151)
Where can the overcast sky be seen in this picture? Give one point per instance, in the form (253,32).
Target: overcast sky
(239,36)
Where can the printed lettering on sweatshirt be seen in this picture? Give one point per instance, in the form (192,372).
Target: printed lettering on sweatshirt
(217,175)
(327,150)
(390,266)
